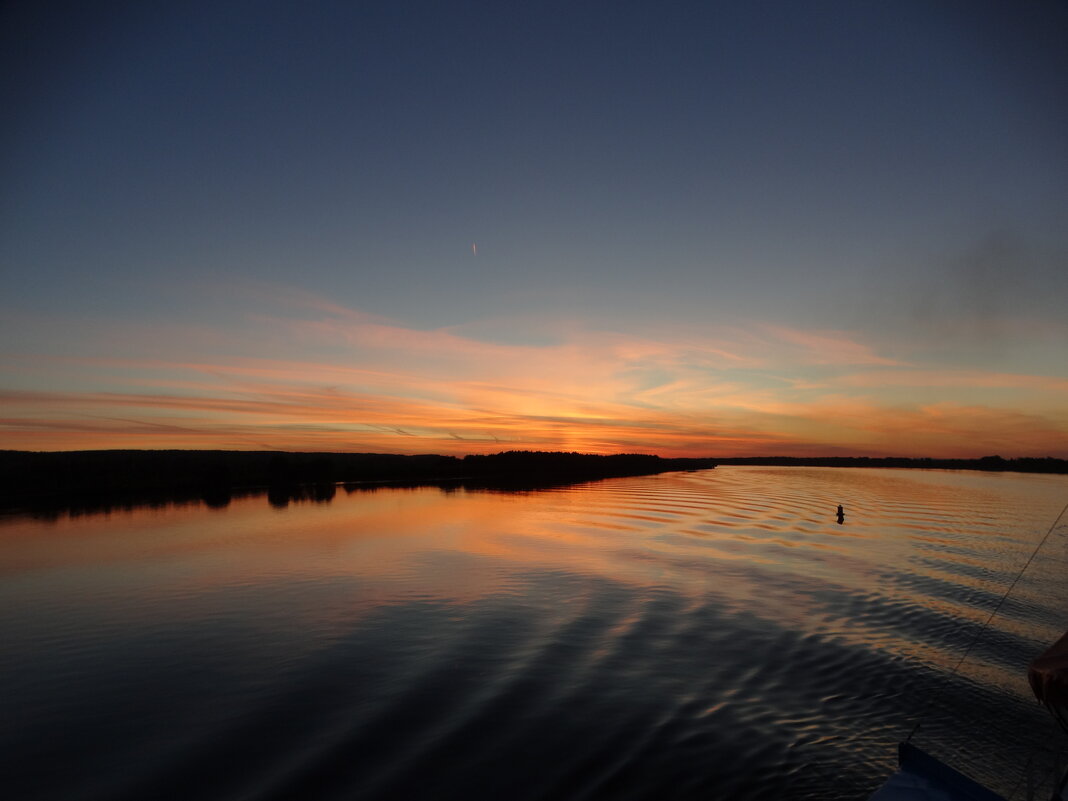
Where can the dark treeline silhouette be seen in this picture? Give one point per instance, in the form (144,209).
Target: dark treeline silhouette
(82,482)
(88,481)
(1045,464)
(195,471)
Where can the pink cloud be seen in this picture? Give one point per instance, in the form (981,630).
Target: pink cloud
(829,347)
(367,383)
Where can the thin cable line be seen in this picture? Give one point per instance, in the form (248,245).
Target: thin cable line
(982,629)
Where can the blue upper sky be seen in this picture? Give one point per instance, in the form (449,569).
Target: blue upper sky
(898,171)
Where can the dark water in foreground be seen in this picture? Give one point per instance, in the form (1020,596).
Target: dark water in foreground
(700,635)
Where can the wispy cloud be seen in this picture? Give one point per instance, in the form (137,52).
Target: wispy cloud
(829,348)
(974,379)
(363,382)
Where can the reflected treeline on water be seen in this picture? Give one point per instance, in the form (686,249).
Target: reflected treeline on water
(53,506)
(279,496)
(89,482)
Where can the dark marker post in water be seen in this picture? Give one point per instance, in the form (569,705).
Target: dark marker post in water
(841,514)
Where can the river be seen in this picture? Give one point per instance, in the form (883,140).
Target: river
(714,634)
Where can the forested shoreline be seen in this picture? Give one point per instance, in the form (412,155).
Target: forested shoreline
(85,481)
(85,477)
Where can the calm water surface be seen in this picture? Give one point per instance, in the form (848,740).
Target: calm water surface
(691,635)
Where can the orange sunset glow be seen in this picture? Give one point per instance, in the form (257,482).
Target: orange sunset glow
(370,384)
(707,234)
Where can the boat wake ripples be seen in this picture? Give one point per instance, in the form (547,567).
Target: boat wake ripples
(693,635)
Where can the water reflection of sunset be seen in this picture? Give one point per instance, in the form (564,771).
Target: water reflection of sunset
(453,544)
(736,587)
(383,536)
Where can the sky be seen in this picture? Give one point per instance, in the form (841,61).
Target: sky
(695,228)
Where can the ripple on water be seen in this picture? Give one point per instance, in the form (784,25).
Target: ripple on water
(700,635)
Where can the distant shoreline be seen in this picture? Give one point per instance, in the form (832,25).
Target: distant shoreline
(1028,464)
(86,477)
(89,480)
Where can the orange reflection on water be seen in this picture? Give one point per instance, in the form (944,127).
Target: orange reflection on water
(755,538)
(736,587)
(458,546)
